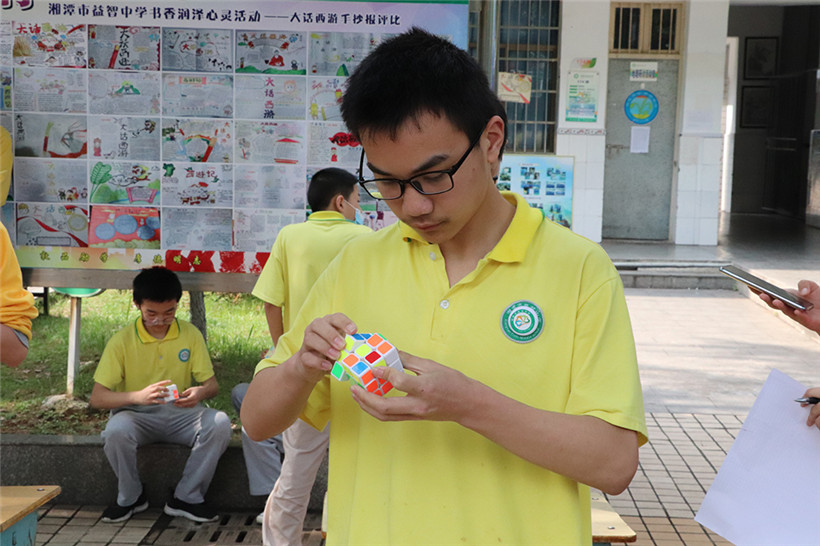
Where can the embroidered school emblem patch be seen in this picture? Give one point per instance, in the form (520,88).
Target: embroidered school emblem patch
(184,355)
(522,321)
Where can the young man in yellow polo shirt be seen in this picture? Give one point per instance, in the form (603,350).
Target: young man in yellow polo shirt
(136,368)
(299,255)
(521,385)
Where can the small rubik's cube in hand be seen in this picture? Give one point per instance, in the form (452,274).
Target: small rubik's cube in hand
(361,354)
(173,394)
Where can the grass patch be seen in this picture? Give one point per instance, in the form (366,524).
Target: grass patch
(237,335)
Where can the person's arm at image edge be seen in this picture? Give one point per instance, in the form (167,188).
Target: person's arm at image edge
(809,290)
(13,350)
(814,413)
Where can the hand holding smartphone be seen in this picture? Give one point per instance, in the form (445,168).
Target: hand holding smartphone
(759,285)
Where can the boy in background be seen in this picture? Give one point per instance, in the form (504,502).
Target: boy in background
(138,364)
(299,255)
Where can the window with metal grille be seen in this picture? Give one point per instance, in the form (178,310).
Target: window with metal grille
(528,44)
(641,28)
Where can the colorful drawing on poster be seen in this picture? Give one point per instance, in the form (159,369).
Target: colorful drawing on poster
(55,136)
(125,183)
(50,181)
(544,181)
(271,52)
(193,228)
(270,187)
(339,53)
(269,142)
(124,93)
(50,90)
(513,87)
(197,50)
(124,138)
(124,227)
(49,224)
(197,95)
(123,47)
(641,107)
(325,99)
(270,97)
(197,185)
(47,44)
(333,145)
(201,141)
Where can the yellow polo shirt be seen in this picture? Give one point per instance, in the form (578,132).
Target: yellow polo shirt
(542,319)
(299,255)
(134,359)
(16,303)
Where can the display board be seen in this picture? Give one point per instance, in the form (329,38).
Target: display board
(181,133)
(545,181)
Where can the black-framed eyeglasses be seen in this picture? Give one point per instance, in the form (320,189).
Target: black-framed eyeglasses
(429,183)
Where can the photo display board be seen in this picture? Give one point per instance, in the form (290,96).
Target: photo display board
(178,133)
(545,181)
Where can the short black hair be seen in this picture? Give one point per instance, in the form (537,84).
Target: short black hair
(156,284)
(327,184)
(415,73)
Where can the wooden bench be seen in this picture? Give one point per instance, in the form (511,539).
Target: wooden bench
(18,511)
(607,525)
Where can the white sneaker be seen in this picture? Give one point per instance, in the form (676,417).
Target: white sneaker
(260,519)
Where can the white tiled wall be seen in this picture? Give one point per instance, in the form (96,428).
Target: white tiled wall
(588,181)
(698,191)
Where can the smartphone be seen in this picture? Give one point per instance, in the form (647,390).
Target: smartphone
(767,288)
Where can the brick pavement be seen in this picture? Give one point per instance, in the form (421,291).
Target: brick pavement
(703,357)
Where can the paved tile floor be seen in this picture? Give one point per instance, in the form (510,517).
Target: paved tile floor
(703,357)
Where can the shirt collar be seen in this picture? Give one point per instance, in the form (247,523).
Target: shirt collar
(327,216)
(145,337)
(516,240)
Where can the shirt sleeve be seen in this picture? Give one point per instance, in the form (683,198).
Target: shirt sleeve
(16,303)
(270,286)
(605,380)
(201,367)
(111,369)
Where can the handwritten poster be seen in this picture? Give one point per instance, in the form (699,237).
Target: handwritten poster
(182,133)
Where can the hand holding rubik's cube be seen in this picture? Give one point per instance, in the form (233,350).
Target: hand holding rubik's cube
(361,354)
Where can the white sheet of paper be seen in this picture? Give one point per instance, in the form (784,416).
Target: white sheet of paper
(639,140)
(767,488)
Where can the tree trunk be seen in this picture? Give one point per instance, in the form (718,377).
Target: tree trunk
(198,311)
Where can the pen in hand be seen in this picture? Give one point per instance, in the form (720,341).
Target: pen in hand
(808,400)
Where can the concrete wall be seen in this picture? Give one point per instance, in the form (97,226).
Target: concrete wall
(78,465)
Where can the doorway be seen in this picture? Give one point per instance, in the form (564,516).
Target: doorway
(638,181)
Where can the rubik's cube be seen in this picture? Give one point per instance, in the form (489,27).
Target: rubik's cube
(361,354)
